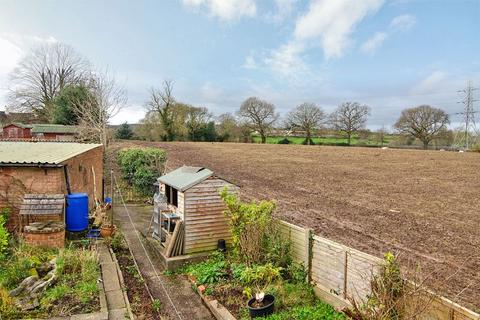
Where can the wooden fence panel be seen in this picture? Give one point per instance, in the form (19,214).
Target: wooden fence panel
(300,241)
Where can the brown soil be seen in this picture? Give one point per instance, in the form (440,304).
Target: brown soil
(231,297)
(138,296)
(424,204)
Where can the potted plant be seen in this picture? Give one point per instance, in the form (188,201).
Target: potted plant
(108,228)
(261,305)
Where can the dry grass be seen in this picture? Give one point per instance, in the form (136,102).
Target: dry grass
(423,203)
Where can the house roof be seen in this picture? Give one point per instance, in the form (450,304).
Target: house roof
(20,125)
(53,128)
(185,177)
(40,153)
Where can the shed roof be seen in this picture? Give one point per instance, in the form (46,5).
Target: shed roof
(40,153)
(20,125)
(185,177)
(53,128)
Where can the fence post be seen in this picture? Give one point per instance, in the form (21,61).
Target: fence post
(308,253)
(345,275)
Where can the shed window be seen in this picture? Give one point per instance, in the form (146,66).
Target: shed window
(172,195)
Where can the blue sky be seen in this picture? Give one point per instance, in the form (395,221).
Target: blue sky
(387,54)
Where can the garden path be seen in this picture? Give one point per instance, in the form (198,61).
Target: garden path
(178,299)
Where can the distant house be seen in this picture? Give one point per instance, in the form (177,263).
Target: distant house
(17,131)
(56,132)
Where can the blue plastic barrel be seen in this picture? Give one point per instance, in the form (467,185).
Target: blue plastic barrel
(77,212)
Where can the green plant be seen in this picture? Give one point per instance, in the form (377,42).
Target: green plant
(284,141)
(157,305)
(256,237)
(3,232)
(261,275)
(141,166)
(117,241)
(296,273)
(319,311)
(211,271)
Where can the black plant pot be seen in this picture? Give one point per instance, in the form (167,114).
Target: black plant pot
(267,309)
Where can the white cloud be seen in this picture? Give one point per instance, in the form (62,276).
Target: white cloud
(130,114)
(403,22)
(332,23)
(286,60)
(284,9)
(250,62)
(431,84)
(225,9)
(371,45)
(209,92)
(328,24)
(398,24)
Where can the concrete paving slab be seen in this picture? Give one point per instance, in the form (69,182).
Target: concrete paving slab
(115,299)
(118,314)
(110,277)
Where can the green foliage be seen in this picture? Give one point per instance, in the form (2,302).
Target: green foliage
(141,167)
(320,311)
(68,97)
(124,132)
(211,271)
(7,306)
(284,141)
(3,232)
(260,275)
(296,273)
(255,234)
(156,305)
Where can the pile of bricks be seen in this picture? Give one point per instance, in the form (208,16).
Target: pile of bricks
(49,234)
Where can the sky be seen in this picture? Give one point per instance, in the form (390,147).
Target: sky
(389,55)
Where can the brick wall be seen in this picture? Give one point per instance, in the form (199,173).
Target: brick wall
(50,239)
(17,181)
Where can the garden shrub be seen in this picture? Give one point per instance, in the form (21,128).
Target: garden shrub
(211,271)
(255,234)
(3,234)
(284,141)
(305,142)
(141,167)
(260,275)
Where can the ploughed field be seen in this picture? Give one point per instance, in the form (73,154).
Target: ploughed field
(422,204)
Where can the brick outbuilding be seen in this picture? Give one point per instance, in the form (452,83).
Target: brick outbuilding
(47,168)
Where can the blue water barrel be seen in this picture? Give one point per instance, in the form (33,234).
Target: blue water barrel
(77,212)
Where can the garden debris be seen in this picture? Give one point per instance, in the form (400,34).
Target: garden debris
(26,294)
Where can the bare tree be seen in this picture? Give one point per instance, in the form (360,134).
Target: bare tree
(259,115)
(162,102)
(196,118)
(424,123)
(228,128)
(306,117)
(40,76)
(350,117)
(104,100)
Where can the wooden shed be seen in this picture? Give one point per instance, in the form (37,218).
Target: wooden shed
(193,204)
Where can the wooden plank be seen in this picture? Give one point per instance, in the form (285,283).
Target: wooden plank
(168,252)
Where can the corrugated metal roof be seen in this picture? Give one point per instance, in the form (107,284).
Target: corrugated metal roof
(185,177)
(37,153)
(53,128)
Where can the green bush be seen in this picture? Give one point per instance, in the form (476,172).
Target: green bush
(284,141)
(255,234)
(260,275)
(211,271)
(320,311)
(141,167)
(3,232)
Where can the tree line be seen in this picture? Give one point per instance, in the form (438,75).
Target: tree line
(60,86)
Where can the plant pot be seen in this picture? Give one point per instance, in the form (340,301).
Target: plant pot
(107,231)
(265,310)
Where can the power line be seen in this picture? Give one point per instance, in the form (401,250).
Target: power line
(469,134)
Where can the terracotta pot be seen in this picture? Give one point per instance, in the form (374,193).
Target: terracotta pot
(107,231)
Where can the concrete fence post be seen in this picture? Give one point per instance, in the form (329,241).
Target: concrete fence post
(308,253)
